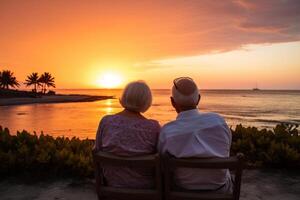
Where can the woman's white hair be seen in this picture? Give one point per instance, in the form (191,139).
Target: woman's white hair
(136,97)
(185,100)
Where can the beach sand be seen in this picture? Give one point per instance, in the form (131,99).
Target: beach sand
(256,185)
(51,99)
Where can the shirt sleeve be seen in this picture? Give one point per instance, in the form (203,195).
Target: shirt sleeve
(229,134)
(157,133)
(99,133)
(161,146)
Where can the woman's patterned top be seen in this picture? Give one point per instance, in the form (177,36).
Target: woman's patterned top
(127,136)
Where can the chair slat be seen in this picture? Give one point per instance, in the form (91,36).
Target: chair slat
(137,161)
(197,196)
(211,163)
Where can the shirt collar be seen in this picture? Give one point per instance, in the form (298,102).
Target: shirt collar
(188,113)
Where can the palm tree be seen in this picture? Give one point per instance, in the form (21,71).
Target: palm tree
(33,79)
(7,79)
(47,80)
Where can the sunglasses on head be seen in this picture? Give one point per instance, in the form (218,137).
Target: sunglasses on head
(180,78)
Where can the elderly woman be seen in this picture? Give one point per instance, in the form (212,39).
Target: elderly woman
(129,133)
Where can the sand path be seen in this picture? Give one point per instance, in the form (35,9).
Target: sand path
(257,185)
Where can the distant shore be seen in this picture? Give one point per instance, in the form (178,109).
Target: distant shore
(51,99)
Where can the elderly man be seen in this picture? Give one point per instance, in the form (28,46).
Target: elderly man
(196,134)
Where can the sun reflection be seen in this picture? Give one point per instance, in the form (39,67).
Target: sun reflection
(108,102)
(109,110)
(108,106)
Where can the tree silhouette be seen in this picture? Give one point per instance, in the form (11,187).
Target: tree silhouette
(33,79)
(47,80)
(7,79)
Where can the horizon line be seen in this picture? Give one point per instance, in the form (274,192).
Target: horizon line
(250,89)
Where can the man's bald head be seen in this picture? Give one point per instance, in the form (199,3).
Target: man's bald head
(185,92)
(186,86)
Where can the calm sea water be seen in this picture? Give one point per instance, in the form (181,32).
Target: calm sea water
(250,108)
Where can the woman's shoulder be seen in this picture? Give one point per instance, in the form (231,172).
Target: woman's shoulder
(134,122)
(106,119)
(153,123)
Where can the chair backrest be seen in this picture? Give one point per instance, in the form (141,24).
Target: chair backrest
(107,192)
(171,163)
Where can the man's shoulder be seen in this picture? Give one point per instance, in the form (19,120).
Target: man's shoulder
(169,126)
(212,116)
(171,129)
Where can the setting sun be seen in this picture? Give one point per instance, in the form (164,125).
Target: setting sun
(109,80)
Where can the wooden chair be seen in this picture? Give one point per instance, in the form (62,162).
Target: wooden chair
(171,163)
(106,192)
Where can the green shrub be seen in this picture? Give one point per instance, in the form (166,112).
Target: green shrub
(46,155)
(278,148)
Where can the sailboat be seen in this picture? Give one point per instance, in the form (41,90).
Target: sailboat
(256,88)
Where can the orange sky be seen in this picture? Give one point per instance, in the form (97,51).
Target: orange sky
(221,44)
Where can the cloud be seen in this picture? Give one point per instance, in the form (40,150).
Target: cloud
(279,17)
(141,31)
(150,65)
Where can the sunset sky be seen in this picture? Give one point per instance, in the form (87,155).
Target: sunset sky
(221,44)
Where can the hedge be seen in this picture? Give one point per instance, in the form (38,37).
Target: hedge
(45,155)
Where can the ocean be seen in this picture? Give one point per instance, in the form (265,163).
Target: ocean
(263,109)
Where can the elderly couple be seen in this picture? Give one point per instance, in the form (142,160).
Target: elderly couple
(192,134)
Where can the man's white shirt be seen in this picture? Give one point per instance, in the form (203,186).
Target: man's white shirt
(197,134)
